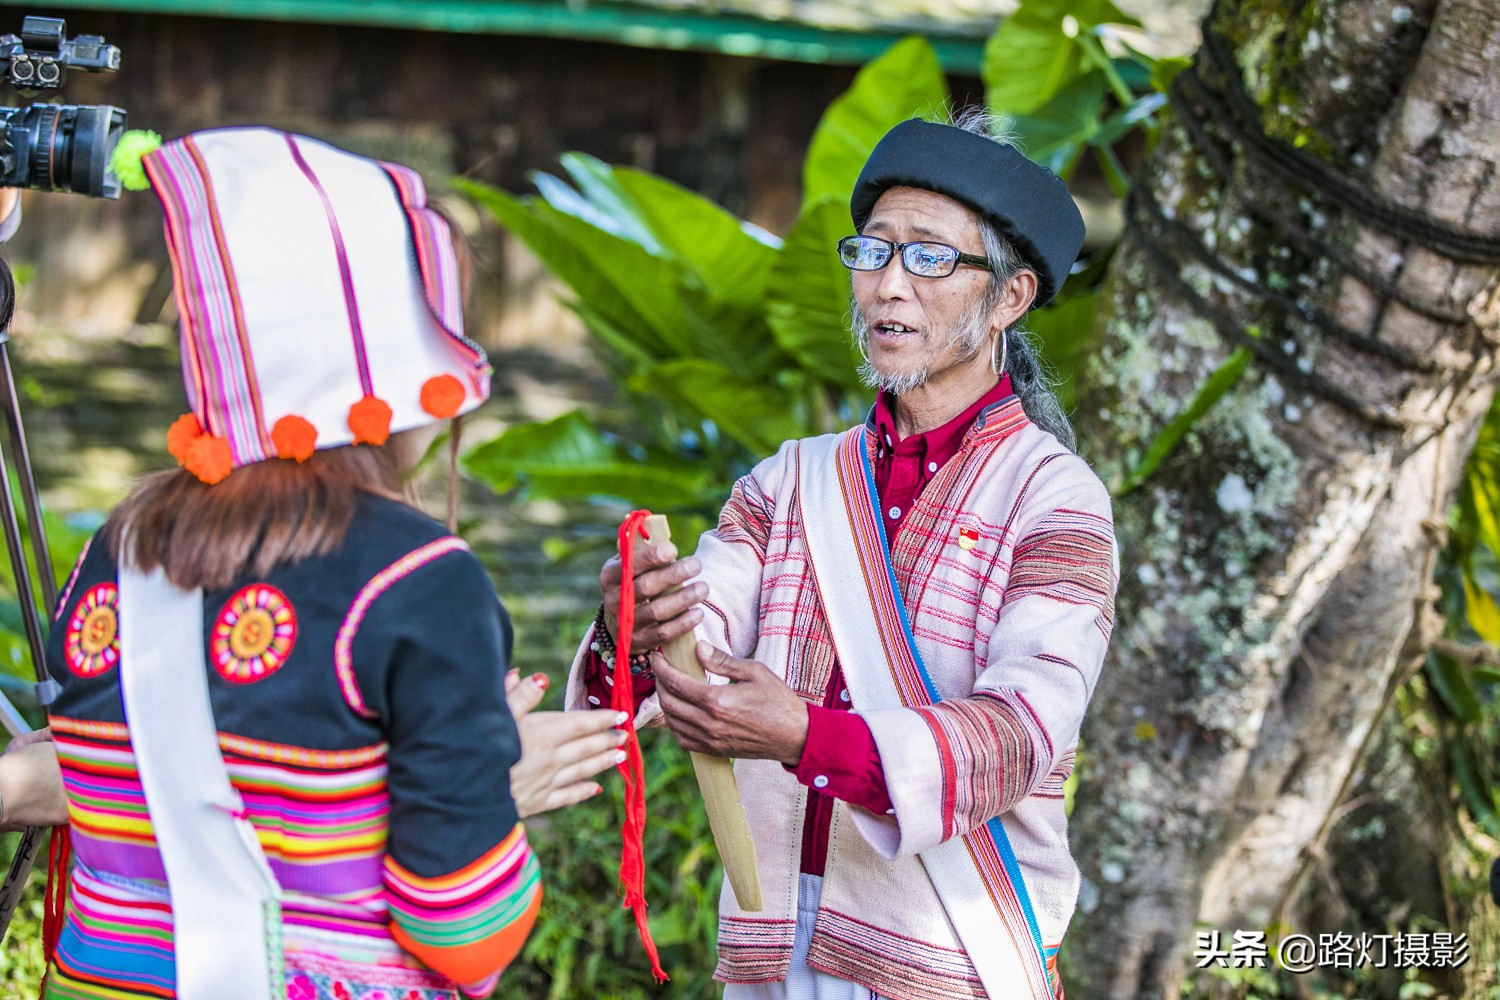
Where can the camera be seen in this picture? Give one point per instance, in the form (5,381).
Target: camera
(57,147)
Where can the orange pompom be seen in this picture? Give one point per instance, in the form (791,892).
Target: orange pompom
(442,395)
(180,436)
(370,420)
(209,459)
(294,438)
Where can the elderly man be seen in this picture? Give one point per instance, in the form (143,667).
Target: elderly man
(911,614)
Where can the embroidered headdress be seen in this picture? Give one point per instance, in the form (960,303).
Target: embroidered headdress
(319,299)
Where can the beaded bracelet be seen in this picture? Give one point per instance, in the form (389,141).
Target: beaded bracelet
(604,645)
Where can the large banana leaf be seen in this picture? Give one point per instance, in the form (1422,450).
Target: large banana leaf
(1035,52)
(568,458)
(753,412)
(808,295)
(711,243)
(596,180)
(1056,133)
(636,292)
(904,82)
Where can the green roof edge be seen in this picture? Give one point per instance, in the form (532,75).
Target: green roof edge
(646,27)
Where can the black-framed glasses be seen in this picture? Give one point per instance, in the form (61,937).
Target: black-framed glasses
(923,258)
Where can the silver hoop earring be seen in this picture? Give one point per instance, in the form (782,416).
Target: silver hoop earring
(1000,354)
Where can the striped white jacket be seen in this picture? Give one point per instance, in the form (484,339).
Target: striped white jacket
(1008,569)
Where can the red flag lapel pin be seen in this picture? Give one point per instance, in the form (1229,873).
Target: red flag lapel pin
(968,537)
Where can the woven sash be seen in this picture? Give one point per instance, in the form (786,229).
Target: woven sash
(976,875)
(226,904)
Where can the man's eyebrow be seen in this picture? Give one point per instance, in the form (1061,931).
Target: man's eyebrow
(879,226)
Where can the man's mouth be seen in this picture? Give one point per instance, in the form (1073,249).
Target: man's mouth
(893,329)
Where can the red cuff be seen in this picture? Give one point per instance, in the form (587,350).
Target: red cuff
(840,759)
(599,690)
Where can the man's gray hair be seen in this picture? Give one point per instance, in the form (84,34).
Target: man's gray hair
(1030,379)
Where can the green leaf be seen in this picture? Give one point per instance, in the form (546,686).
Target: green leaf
(568,458)
(711,243)
(750,411)
(1165,70)
(906,81)
(1212,390)
(808,296)
(634,291)
(1035,52)
(1474,787)
(1065,329)
(1482,612)
(1052,134)
(596,180)
(1454,687)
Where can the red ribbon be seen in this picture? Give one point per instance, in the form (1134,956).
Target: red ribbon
(633,852)
(55,900)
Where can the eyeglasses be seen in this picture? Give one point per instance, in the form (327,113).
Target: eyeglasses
(923,258)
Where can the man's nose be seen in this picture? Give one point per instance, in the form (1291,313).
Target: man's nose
(895,283)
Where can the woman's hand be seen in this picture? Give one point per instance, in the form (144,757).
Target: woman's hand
(560,751)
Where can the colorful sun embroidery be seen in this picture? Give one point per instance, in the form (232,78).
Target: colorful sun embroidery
(253,635)
(92,643)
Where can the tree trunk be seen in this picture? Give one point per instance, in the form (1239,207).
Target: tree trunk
(1277,568)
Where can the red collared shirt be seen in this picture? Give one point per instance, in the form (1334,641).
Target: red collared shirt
(840,759)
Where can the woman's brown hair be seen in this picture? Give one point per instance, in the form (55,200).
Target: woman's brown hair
(266,514)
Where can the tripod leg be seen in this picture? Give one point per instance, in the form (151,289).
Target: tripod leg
(20,866)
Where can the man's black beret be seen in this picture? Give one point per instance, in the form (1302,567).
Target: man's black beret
(1026,201)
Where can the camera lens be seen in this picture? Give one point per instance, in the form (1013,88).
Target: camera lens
(62,147)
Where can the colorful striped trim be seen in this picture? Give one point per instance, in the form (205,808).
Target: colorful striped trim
(432,243)
(67,591)
(470,924)
(243,746)
(281,753)
(114,731)
(343,646)
(891,964)
(209,302)
(988,846)
(193,376)
(753,950)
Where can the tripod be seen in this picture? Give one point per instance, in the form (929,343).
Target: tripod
(46,687)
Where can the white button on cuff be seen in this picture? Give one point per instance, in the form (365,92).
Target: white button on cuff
(931,466)
(890,812)
(844,695)
(821,781)
(593,700)
(894,513)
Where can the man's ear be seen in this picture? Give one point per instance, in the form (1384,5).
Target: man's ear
(1020,293)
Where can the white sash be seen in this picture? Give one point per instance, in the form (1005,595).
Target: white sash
(226,903)
(976,875)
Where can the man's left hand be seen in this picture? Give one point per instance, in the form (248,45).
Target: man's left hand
(755,716)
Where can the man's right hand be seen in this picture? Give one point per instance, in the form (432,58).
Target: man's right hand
(658,619)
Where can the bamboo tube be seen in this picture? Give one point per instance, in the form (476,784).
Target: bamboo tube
(721,793)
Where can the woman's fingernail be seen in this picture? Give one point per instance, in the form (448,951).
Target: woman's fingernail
(596,791)
(620,718)
(513,673)
(619,756)
(541,680)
